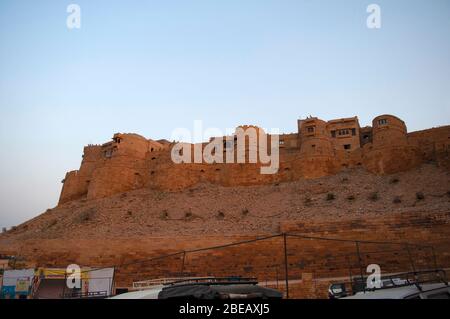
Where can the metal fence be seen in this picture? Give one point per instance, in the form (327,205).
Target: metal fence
(276,261)
(288,257)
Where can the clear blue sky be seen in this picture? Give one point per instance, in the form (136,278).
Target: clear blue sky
(151,66)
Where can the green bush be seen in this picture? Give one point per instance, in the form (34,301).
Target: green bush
(394,180)
(374,196)
(164,214)
(397,200)
(188,215)
(308,201)
(85,216)
(420,196)
(220,215)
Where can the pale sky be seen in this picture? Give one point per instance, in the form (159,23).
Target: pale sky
(152,66)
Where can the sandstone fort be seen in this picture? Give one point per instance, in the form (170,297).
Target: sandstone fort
(319,148)
(380,186)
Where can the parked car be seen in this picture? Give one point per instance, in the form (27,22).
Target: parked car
(428,284)
(151,293)
(205,288)
(336,291)
(218,288)
(412,291)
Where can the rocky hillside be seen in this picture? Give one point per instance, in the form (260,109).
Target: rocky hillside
(215,210)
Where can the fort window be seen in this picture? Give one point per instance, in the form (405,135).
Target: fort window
(343,132)
(310,129)
(333,133)
(153,158)
(382,121)
(366,137)
(313,146)
(281,142)
(347,146)
(353,131)
(108,153)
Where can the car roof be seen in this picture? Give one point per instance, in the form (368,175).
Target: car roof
(396,292)
(141,294)
(214,291)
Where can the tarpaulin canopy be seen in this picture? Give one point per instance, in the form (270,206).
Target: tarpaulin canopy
(60,273)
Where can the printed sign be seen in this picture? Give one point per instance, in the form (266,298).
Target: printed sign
(22,285)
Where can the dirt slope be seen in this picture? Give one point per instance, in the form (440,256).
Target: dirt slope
(214,210)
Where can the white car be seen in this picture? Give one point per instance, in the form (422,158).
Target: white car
(151,293)
(426,291)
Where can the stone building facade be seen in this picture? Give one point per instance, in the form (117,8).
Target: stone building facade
(319,148)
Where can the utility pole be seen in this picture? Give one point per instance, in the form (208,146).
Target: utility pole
(286,266)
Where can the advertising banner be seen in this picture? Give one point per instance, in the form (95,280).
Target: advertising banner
(23,285)
(17,282)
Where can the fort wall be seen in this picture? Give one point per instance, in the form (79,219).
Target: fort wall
(308,259)
(434,145)
(319,148)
